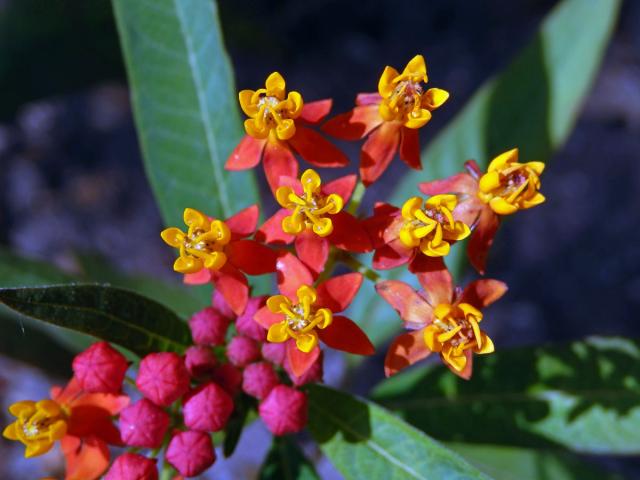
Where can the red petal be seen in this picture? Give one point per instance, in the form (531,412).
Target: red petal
(246,155)
(266,318)
(468,368)
(349,233)
(337,293)
(233,286)
(86,459)
(342,186)
(317,150)
(199,278)
(243,223)
(299,361)
(482,239)
(472,167)
(483,293)
(404,351)
(368,99)
(413,309)
(378,151)
(314,112)
(410,148)
(89,420)
(458,183)
(312,250)
(436,281)
(386,258)
(292,274)
(355,124)
(252,257)
(376,225)
(343,334)
(278,162)
(271,230)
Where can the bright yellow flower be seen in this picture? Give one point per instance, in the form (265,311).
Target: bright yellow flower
(271,110)
(300,320)
(201,246)
(509,186)
(433,227)
(455,330)
(38,425)
(310,209)
(403,95)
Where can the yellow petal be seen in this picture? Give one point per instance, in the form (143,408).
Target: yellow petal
(278,333)
(306,341)
(57,430)
(431,338)
(24,407)
(385,84)
(255,130)
(410,206)
(449,334)
(310,181)
(336,202)
(323,227)
(195,218)
(187,264)
(537,167)
(221,231)
(434,98)
(470,311)
(274,303)
(172,236)
(10,431)
(306,293)
(249,107)
(215,261)
(36,448)
(417,118)
(407,238)
(537,199)
(422,232)
(487,345)
(489,181)
(448,201)
(435,250)
(282,197)
(502,207)
(456,359)
(327,317)
(416,66)
(459,231)
(293,224)
(502,160)
(275,85)
(294,104)
(286,129)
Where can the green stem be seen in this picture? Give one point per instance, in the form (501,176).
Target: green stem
(168,472)
(356,198)
(357,266)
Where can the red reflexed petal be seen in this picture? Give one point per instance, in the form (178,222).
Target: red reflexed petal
(343,334)
(458,183)
(404,351)
(271,230)
(299,361)
(410,148)
(483,293)
(349,233)
(482,239)
(368,99)
(278,161)
(86,459)
(436,280)
(246,155)
(337,293)
(243,223)
(355,124)
(386,258)
(86,420)
(312,250)
(378,151)
(467,370)
(413,309)
(342,186)
(198,278)
(314,112)
(292,274)
(252,257)
(376,225)
(266,318)
(233,286)
(316,149)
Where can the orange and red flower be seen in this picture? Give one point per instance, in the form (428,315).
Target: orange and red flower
(277,128)
(81,421)
(302,315)
(313,217)
(390,119)
(219,252)
(441,319)
(508,186)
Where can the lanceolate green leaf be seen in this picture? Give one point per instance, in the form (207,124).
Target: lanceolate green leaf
(531,105)
(286,461)
(112,314)
(363,440)
(584,396)
(185,105)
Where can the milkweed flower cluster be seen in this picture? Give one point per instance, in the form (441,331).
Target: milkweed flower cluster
(258,352)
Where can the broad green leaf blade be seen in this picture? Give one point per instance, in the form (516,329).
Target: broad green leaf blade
(584,396)
(118,316)
(185,105)
(508,463)
(363,440)
(532,105)
(286,461)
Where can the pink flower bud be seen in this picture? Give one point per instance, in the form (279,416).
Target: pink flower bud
(162,378)
(209,327)
(247,326)
(258,379)
(207,408)
(221,305)
(143,424)
(131,466)
(100,369)
(284,410)
(313,375)
(191,453)
(241,351)
(274,352)
(228,377)
(200,361)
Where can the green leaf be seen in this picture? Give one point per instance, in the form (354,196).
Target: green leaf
(243,413)
(533,105)
(364,440)
(185,105)
(119,316)
(584,396)
(508,463)
(285,461)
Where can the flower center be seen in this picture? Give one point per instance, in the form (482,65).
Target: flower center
(298,321)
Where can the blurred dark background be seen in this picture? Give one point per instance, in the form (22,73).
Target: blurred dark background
(71,178)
